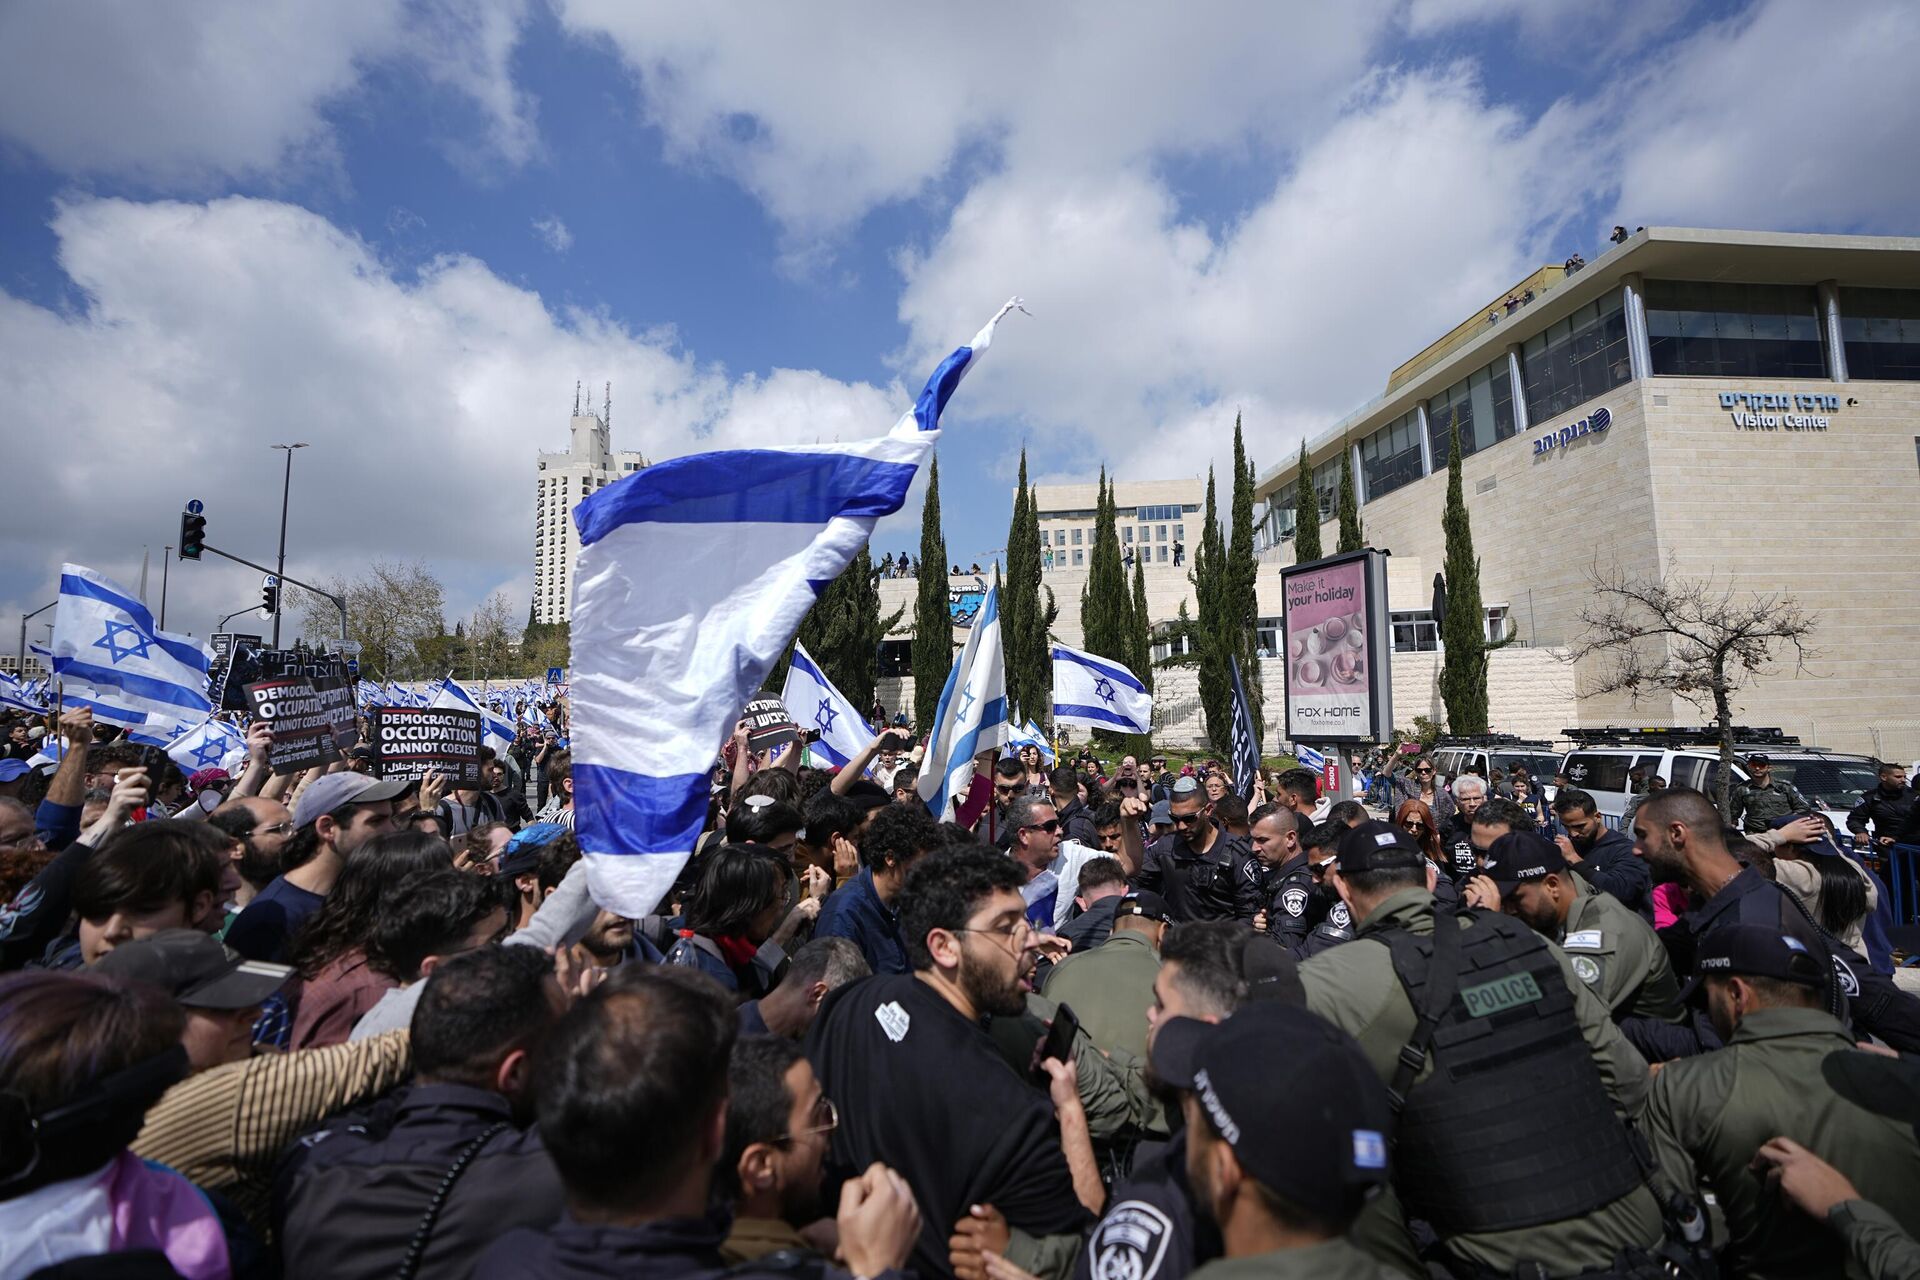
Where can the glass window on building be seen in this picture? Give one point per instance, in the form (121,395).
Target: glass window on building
(1574,360)
(1163,555)
(1126,534)
(1146,534)
(1498,616)
(1326,487)
(1881,329)
(1160,533)
(1076,542)
(1059,537)
(1266,635)
(1389,459)
(1045,541)
(1415,633)
(1079,557)
(1707,329)
(1484,403)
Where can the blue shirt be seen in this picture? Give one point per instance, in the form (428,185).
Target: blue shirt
(266,926)
(854,911)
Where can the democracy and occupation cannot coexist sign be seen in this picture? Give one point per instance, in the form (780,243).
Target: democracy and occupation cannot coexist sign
(411,742)
(312,719)
(1338,646)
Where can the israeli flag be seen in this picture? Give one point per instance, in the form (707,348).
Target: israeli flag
(448,695)
(1029,735)
(1098,693)
(19,697)
(817,706)
(206,746)
(109,655)
(693,576)
(972,715)
(1309,758)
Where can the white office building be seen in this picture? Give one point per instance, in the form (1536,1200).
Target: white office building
(563,480)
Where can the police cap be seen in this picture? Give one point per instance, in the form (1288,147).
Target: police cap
(1754,951)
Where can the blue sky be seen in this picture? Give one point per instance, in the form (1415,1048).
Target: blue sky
(403,229)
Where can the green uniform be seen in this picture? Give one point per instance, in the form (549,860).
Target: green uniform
(1354,986)
(1333,1260)
(1755,807)
(1619,956)
(1109,989)
(1879,1248)
(1709,1115)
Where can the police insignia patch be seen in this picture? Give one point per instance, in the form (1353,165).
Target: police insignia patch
(1131,1242)
(1294,902)
(1588,968)
(1341,919)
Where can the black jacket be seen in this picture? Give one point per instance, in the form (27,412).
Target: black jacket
(673,1249)
(1285,893)
(1196,886)
(1076,823)
(349,1196)
(1896,815)
(1611,866)
(1150,1230)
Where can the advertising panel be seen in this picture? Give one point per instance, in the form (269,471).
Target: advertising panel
(1338,641)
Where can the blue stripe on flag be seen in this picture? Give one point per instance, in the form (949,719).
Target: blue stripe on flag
(1080,711)
(747,486)
(145,688)
(1107,669)
(74,585)
(618,812)
(939,389)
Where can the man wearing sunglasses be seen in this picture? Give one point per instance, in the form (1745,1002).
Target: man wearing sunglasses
(1052,863)
(1198,867)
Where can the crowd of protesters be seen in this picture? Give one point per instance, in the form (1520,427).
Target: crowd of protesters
(1126,1023)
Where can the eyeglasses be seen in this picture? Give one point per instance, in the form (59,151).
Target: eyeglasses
(826,1117)
(277,829)
(1050,826)
(1424,773)
(1011,932)
(1414,825)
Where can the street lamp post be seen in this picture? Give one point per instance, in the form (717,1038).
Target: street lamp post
(20,663)
(280,570)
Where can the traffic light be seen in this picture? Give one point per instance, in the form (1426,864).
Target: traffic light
(270,598)
(193,534)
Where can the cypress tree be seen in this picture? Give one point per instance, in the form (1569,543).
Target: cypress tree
(1463,636)
(1106,603)
(843,631)
(1142,663)
(1212,630)
(1306,513)
(1020,604)
(1352,535)
(932,649)
(1243,576)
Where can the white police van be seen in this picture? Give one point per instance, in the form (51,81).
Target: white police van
(1482,755)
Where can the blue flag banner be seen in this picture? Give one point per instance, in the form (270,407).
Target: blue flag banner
(206,746)
(1098,693)
(841,733)
(1029,735)
(497,732)
(109,655)
(693,575)
(1246,746)
(972,715)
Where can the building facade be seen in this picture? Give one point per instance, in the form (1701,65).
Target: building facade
(1694,404)
(563,479)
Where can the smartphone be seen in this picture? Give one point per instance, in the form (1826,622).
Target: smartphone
(1061,1035)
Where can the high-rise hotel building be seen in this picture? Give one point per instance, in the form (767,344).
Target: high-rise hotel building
(564,479)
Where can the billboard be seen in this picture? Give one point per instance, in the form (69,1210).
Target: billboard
(1338,640)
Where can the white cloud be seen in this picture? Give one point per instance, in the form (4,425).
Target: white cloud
(190,94)
(824,113)
(553,233)
(210,332)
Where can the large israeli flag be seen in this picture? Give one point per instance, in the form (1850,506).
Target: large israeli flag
(842,733)
(109,655)
(206,746)
(1098,693)
(692,577)
(972,715)
(496,732)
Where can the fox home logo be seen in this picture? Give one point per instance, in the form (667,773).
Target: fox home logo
(1594,423)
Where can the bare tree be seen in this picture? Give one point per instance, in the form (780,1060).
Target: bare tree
(1696,638)
(391,609)
(491,634)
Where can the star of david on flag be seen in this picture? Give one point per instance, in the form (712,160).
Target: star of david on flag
(1098,693)
(116,650)
(110,656)
(843,731)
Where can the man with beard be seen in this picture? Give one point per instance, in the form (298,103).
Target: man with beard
(984,1137)
(1680,836)
(264,827)
(1603,856)
(1198,867)
(778,1126)
(1614,951)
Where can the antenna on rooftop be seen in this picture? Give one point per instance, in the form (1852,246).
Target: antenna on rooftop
(576,397)
(607,406)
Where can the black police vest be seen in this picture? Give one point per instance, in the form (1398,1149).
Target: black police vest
(1513,1127)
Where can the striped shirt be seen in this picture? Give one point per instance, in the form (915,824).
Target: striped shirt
(224,1129)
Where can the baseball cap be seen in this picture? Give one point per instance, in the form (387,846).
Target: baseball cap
(196,969)
(11,770)
(1521,857)
(1161,815)
(328,793)
(1291,1094)
(1758,758)
(522,853)
(1144,903)
(1753,950)
(1377,846)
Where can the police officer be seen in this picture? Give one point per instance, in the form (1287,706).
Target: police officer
(1110,987)
(1762,797)
(1708,1116)
(1413,990)
(1612,949)
(1277,884)
(1329,921)
(1679,835)
(1197,866)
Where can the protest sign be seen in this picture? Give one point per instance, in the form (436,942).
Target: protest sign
(312,719)
(769,726)
(411,742)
